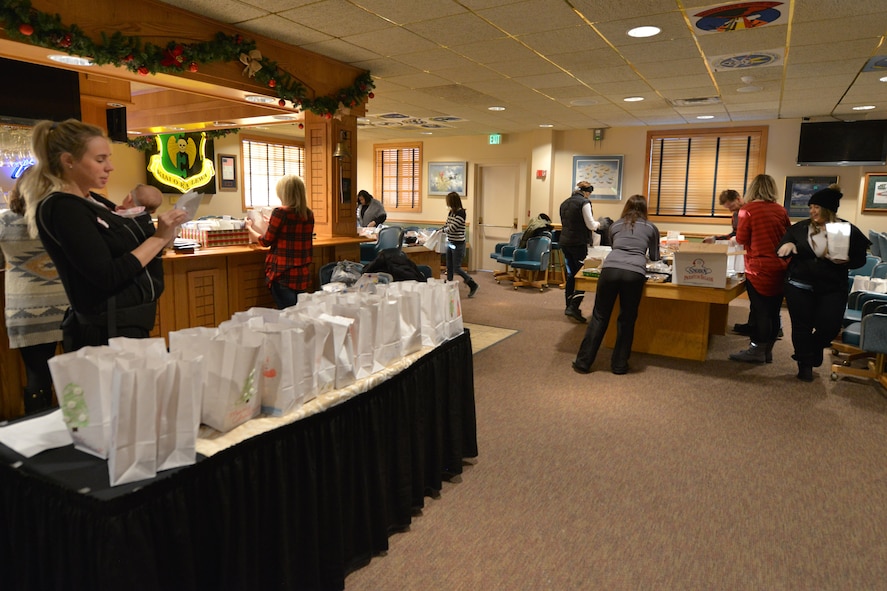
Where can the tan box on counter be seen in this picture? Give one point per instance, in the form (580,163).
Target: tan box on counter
(700,264)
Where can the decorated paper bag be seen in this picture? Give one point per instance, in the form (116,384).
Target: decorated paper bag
(132,453)
(453,302)
(324,352)
(230,391)
(82,381)
(178,413)
(838,235)
(343,346)
(436,241)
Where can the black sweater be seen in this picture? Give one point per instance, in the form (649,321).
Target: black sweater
(823,274)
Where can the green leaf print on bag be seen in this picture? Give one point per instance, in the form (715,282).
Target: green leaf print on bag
(250,388)
(75,412)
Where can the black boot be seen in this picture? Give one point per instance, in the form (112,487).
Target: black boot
(805,372)
(472,288)
(754,354)
(574,313)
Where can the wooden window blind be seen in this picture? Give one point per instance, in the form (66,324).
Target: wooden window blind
(264,163)
(687,170)
(397,176)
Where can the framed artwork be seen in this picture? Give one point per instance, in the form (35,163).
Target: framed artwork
(446,177)
(875,193)
(603,172)
(227,172)
(798,190)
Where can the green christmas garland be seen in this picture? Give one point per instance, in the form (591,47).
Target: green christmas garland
(26,24)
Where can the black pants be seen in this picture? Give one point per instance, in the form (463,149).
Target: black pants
(628,286)
(816,321)
(36,359)
(574,256)
(765,311)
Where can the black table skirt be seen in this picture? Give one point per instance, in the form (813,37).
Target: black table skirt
(295,508)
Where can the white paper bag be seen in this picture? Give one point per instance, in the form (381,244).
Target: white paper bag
(437,241)
(838,235)
(454,325)
(410,314)
(364,312)
(432,295)
(82,381)
(132,453)
(230,389)
(343,346)
(178,413)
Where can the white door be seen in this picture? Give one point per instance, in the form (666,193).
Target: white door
(498,195)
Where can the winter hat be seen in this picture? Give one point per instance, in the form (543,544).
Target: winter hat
(827,198)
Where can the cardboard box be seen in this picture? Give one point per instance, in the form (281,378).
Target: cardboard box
(210,238)
(704,265)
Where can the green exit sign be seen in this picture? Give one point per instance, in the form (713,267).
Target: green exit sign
(495,139)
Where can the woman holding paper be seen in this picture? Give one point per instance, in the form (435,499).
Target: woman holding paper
(109,264)
(822,249)
(290,235)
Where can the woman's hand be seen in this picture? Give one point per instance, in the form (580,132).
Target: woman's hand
(708,240)
(168,223)
(787,250)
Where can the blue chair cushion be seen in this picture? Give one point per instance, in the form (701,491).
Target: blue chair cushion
(850,334)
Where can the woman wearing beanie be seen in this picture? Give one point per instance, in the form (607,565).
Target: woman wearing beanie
(816,282)
(762,222)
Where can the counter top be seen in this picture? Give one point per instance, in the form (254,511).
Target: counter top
(245,248)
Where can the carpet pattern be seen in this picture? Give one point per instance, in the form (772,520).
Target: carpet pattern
(681,475)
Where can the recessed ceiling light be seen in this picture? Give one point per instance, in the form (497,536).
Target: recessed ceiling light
(546,125)
(496,108)
(224,123)
(282,117)
(705,116)
(633,99)
(750,88)
(864,108)
(645,31)
(259,99)
(71,60)
(425,133)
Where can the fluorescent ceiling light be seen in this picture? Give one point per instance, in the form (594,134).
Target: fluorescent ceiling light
(883,78)
(496,108)
(71,60)
(864,108)
(645,31)
(546,125)
(705,116)
(259,99)
(633,99)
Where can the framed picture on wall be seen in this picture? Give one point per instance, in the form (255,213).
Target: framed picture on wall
(603,172)
(227,172)
(798,190)
(446,177)
(875,193)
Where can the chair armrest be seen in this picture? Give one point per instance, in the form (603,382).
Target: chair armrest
(508,250)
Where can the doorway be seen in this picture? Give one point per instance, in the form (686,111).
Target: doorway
(498,196)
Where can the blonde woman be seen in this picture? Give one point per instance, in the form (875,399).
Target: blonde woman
(290,238)
(761,225)
(110,265)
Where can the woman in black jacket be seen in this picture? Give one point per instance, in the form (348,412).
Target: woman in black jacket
(816,281)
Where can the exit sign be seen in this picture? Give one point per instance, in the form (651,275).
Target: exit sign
(495,139)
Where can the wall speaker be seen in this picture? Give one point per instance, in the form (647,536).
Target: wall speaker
(116,119)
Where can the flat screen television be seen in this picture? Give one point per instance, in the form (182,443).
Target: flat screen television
(43,92)
(843,143)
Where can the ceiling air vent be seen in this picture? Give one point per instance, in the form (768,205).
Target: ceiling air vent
(696,102)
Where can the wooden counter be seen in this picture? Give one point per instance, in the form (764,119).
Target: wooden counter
(675,320)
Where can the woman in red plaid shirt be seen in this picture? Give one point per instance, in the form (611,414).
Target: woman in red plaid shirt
(289,235)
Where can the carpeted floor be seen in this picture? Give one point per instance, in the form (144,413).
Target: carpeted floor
(681,475)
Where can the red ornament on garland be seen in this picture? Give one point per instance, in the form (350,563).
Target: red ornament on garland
(143,70)
(301,126)
(128,58)
(272,83)
(192,67)
(26,29)
(66,41)
(327,115)
(281,102)
(371,95)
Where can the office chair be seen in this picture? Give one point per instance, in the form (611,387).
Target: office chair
(871,339)
(503,254)
(534,260)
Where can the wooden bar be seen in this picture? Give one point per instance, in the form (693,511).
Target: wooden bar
(675,320)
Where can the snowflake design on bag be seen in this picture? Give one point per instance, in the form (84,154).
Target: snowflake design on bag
(250,388)
(75,411)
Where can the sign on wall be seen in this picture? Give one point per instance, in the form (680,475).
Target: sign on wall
(182,161)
